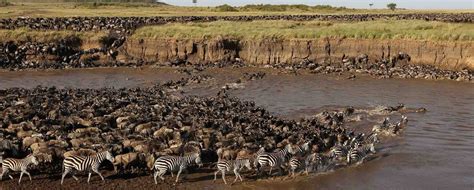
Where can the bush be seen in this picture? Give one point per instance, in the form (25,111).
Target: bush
(392,6)
(226,8)
(5,3)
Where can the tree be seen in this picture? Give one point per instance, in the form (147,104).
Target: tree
(195,1)
(392,6)
(371,4)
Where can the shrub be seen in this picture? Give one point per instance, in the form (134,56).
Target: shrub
(226,8)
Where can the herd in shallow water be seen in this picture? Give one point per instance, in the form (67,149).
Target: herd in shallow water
(140,126)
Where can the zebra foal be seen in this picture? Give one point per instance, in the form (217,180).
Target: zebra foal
(235,165)
(85,163)
(18,165)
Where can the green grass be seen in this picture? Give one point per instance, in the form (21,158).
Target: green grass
(387,29)
(23,34)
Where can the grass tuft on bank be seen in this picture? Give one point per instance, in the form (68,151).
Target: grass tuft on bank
(386,29)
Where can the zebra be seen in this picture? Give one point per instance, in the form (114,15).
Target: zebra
(320,162)
(311,161)
(85,163)
(174,163)
(18,165)
(388,128)
(275,159)
(235,165)
(359,153)
(297,162)
(339,151)
(294,164)
(372,138)
(255,156)
(384,126)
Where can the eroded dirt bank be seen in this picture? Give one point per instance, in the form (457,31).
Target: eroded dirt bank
(448,55)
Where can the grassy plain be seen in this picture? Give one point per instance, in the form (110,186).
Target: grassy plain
(19,8)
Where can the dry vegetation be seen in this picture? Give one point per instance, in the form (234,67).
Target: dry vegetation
(52,9)
(24,34)
(384,29)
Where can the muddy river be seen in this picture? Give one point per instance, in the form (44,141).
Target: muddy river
(435,152)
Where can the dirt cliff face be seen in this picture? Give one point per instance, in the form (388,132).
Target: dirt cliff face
(448,55)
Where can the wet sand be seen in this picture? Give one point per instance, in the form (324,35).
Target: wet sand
(435,152)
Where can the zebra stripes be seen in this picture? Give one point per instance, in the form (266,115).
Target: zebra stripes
(294,164)
(339,151)
(297,162)
(174,163)
(235,165)
(18,165)
(359,153)
(275,159)
(372,138)
(85,163)
(390,129)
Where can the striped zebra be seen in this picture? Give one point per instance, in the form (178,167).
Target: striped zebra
(339,151)
(311,161)
(297,162)
(372,138)
(275,159)
(319,162)
(359,153)
(18,165)
(174,163)
(224,166)
(85,163)
(255,156)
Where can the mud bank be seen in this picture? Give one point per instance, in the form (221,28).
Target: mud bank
(446,55)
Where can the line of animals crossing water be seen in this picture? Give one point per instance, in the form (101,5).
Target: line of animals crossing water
(292,157)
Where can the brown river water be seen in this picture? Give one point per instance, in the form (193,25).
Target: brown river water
(436,151)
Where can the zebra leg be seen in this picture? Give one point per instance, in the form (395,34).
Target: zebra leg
(96,170)
(154,176)
(89,177)
(223,176)
(21,175)
(64,175)
(4,171)
(215,175)
(75,178)
(161,174)
(236,175)
(28,173)
(171,173)
(271,168)
(179,173)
